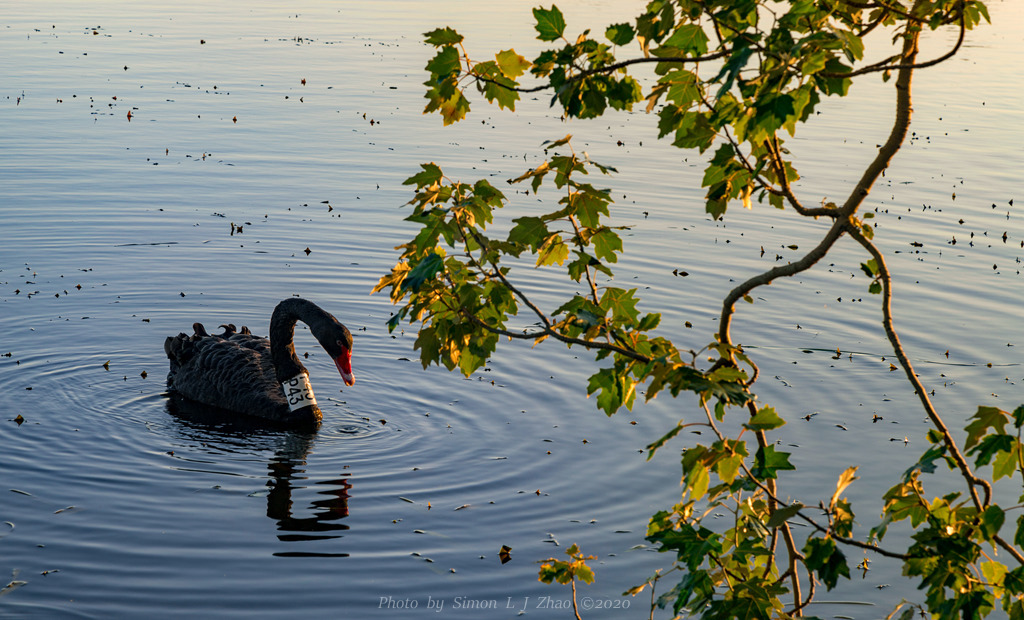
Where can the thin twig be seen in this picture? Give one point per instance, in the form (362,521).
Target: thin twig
(908,369)
(575,610)
(923,65)
(611,69)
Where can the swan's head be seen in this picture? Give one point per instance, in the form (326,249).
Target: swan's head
(338,344)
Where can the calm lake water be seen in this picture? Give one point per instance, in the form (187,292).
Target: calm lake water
(118,232)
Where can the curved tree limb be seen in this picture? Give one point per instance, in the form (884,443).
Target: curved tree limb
(874,170)
(958,457)
(908,368)
(791,269)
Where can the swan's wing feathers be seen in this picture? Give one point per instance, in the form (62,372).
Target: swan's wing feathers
(228,374)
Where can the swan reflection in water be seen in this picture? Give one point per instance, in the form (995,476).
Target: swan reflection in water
(321,520)
(323,523)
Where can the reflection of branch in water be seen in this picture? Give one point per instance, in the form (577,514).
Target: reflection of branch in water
(205,424)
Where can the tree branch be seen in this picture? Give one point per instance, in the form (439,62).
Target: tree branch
(814,524)
(923,65)
(548,329)
(885,154)
(908,369)
(791,269)
(787,191)
(611,69)
(882,5)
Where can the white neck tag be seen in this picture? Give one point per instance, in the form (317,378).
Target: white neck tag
(298,392)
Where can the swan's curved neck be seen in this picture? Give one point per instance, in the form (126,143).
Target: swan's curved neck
(282,334)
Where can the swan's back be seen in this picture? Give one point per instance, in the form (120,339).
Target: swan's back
(234,372)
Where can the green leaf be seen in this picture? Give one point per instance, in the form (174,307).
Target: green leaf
(590,206)
(442,36)
(553,250)
(433,227)
(1018,417)
(854,45)
(512,64)
(1006,463)
(731,69)
(445,95)
(429,346)
(684,88)
(734,453)
(767,462)
(697,480)
(395,320)
(426,270)
(991,521)
(764,420)
(445,63)
(502,90)
(615,390)
(623,93)
(690,39)
(825,559)
(773,112)
(550,23)
(992,445)
(430,174)
(454,109)
(606,244)
(691,543)
(649,322)
(782,515)
(620,34)
(994,572)
(531,231)
(621,303)
(1014,580)
(654,445)
(842,518)
(814,62)
(984,419)
(578,268)
(585,574)
(834,85)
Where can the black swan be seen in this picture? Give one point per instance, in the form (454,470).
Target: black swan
(247,374)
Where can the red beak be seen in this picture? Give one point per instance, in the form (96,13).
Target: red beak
(344,364)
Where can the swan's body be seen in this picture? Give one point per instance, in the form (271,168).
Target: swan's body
(247,374)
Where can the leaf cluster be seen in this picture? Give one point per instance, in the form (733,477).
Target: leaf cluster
(732,80)
(952,532)
(454,279)
(735,72)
